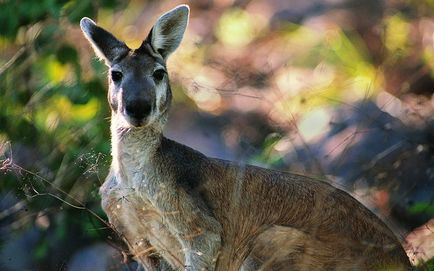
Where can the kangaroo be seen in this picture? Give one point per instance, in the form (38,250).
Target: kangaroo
(178,209)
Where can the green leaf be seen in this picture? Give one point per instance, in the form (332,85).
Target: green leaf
(41,250)
(67,53)
(75,10)
(422,208)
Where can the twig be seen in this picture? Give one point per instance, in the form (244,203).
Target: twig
(11,61)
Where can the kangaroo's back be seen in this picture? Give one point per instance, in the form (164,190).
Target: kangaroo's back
(177,209)
(283,221)
(274,220)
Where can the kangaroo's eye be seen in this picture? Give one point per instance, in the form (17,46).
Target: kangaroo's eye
(159,74)
(116,76)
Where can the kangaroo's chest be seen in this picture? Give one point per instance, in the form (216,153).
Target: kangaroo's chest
(136,185)
(136,219)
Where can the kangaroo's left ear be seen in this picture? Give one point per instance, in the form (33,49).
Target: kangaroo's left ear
(167,33)
(105,45)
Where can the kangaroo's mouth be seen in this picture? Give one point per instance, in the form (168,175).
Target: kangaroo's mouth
(135,122)
(126,121)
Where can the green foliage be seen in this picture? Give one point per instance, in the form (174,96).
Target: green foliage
(422,207)
(428,266)
(52,118)
(268,155)
(41,250)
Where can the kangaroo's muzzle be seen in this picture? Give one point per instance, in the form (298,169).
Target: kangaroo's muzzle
(137,110)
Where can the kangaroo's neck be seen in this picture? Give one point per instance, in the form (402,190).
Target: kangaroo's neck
(133,147)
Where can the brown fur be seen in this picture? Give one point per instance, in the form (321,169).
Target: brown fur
(270,220)
(178,209)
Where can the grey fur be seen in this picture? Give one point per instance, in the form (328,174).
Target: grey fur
(176,207)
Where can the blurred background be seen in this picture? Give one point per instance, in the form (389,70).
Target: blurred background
(340,89)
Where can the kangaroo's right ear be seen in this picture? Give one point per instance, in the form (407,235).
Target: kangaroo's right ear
(167,33)
(105,45)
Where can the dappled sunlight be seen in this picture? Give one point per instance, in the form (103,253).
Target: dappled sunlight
(203,92)
(238,27)
(397,31)
(56,72)
(336,89)
(313,124)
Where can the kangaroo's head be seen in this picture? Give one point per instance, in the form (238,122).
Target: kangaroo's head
(139,91)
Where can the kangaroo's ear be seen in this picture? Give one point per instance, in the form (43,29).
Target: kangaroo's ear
(167,33)
(105,45)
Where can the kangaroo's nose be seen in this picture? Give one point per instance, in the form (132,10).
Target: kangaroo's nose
(138,109)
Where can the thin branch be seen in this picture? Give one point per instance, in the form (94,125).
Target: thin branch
(11,61)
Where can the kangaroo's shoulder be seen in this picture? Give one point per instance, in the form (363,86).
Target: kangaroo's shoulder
(170,150)
(193,162)
(187,166)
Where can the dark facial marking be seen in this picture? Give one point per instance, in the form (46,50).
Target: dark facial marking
(159,75)
(116,76)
